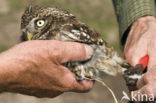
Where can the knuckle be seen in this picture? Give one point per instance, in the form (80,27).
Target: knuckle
(54,48)
(55,52)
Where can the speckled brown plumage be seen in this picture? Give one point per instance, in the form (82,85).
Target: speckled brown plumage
(42,23)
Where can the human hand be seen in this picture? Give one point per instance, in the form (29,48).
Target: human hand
(34,68)
(141,41)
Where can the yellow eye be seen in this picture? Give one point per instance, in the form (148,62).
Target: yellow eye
(40,23)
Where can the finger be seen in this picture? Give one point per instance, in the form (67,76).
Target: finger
(135,54)
(134,48)
(152,55)
(141,82)
(83,86)
(69,51)
(148,90)
(147,78)
(71,84)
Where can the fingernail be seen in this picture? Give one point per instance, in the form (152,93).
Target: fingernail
(89,51)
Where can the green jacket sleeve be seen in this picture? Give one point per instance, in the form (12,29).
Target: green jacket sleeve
(127,11)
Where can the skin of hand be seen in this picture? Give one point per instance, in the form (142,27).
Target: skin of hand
(35,68)
(141,41)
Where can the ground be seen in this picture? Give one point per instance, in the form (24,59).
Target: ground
(97,13)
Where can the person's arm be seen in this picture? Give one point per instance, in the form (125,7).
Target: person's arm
(141,41)
(137,22)
(35,68)
(128,11)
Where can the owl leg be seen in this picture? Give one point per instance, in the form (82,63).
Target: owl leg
(82,73)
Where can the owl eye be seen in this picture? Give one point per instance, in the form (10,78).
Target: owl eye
(40,23)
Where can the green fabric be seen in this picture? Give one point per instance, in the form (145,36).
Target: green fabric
(127,11)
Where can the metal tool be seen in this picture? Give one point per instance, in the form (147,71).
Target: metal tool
(133,74)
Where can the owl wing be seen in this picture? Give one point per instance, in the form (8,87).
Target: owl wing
(80,32)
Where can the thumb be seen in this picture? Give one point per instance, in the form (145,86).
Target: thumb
(69,51)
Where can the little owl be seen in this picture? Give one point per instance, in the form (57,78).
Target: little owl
(47,23)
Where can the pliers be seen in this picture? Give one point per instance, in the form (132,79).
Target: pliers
(133,74)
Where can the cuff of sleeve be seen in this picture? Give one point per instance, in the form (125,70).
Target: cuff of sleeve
(130,10)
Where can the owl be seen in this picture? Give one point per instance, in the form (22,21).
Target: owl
(50,23)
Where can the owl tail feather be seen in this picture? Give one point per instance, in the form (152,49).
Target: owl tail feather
(111,69)
(114,66)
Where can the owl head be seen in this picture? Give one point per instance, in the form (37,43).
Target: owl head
(39,21)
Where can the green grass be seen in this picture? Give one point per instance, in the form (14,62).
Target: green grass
(1,14)
(49,3)
(17,4)
(4,47)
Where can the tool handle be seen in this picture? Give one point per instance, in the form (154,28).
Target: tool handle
(144,61)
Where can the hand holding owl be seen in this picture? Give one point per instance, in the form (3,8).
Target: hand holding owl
(35,68)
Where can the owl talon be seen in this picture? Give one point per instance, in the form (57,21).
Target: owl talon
(127,72)
(131,83)
(87,75)
(79,78)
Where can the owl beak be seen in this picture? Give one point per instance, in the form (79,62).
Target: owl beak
(29,35)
